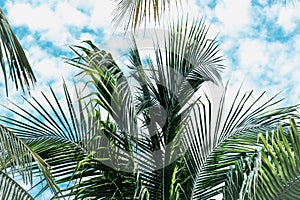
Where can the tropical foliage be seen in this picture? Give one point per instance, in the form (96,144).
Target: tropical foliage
(12,58)
(131,14)
(162,127)
(10,189)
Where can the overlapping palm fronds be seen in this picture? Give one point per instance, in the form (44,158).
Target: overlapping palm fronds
(10,189)
(162,138)
(55,134)
(167,84)
(272,171)
(188,155)
(72,138)
(18,158)
(217,139)
(278,174)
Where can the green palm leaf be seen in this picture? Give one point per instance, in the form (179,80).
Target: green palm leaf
(190,60)
(273,171)
(13,59)
(66,139)
(216,140)
(58,134)
(130,14)
(9,189)
(278,175)
(112,91)
(18,157)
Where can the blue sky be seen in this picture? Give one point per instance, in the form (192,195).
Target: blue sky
(259,39)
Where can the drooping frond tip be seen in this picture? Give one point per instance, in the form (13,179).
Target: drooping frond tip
(13,60)
(131,14)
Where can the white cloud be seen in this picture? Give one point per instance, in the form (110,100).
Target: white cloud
(265,58)
(233,14)
(253,54)
(249,56)
(61,22)
(268,66)
(296,42)
(288,18)
(69,15)
(37,18)
(47,67)
(53,23)
(101,13)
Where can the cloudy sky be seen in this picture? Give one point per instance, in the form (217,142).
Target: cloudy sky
(259,39)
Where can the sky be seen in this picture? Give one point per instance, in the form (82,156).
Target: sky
(259,40)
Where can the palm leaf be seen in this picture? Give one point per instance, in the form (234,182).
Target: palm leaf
(278,175)
(169,83)
(57,133)
(273,170)
(190,60)
(13,59)
(18,157)
(217,139)
(130,14)
(65,136)
(9,189)
(112,91)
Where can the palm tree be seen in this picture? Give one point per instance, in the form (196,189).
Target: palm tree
(162,138)
(195,152)
(10,189)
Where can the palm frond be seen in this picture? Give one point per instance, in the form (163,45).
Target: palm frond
(68,135)
(93,174)
(10,189)
(13,59)
(165,88)
(273,171)
(278,175)
(167,83)
(50,119)
(63,157)
(18,158)
(216,139)
(130,14)
(188,59)
(111,89)
(57,132)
